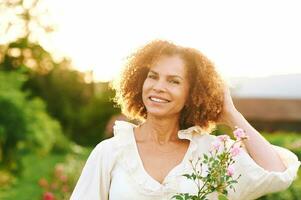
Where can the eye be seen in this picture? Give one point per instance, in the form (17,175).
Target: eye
(152,76)
(174,81)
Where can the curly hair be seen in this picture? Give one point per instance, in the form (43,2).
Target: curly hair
(204,104)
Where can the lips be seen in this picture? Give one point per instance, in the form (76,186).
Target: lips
(158,99)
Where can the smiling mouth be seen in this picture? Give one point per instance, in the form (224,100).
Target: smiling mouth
(157,100)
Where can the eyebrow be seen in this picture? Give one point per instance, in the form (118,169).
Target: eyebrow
(174,76)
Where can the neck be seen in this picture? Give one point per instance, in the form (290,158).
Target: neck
(160,130)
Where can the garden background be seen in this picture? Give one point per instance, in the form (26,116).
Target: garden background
(51,115)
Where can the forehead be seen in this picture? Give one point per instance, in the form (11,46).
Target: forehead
(169,65)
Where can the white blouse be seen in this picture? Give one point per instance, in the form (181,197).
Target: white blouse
(115,171)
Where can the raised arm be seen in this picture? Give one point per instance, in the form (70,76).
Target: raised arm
(257,146)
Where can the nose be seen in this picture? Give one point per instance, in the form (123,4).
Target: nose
(159,86)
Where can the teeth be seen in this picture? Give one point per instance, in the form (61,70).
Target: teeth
(158,100)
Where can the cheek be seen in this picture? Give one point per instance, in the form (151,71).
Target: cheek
(145,88)
(185,95)
(146,84)
(181,95)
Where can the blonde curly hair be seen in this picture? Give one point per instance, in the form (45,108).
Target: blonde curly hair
(205,102)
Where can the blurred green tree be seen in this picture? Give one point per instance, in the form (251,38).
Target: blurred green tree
(83,108)
(24,123)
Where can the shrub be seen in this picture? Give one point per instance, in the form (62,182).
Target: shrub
(24,124)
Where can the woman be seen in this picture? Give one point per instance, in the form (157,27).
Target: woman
(177,95)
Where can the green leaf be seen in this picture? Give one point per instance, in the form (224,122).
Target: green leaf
(222,197)
(187,176)
(178,197)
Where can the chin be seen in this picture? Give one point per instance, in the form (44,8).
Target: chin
(160,114)
(156,113)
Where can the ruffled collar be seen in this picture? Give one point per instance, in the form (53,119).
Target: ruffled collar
(122,128)
(189,133)
(130,159)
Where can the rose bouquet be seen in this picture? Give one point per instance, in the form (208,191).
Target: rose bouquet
(214,172)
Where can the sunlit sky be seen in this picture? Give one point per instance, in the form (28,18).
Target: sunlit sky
(243,38)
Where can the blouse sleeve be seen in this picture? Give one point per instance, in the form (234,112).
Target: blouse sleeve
(256,181)
(94,181)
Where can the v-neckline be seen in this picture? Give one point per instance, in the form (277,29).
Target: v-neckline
(173,170)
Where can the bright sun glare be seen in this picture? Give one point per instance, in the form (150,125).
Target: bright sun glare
(243,38)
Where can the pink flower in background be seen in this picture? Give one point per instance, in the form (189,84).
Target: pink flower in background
(58,170)
(230,170)
(58,186)
(63,178)
(235,150)
(65,188)
(43,183)
(54,186)
(48,196)
(223,138)
(239,133)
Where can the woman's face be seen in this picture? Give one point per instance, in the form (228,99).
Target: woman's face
(166,87)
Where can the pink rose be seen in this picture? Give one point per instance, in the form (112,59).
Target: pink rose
(223,138)
(239,133)
(235,150)
(230,170)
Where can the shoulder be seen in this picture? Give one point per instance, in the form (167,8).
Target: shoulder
(123,133)
(102,150)
(197,134)
(105,145)
(200,138)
